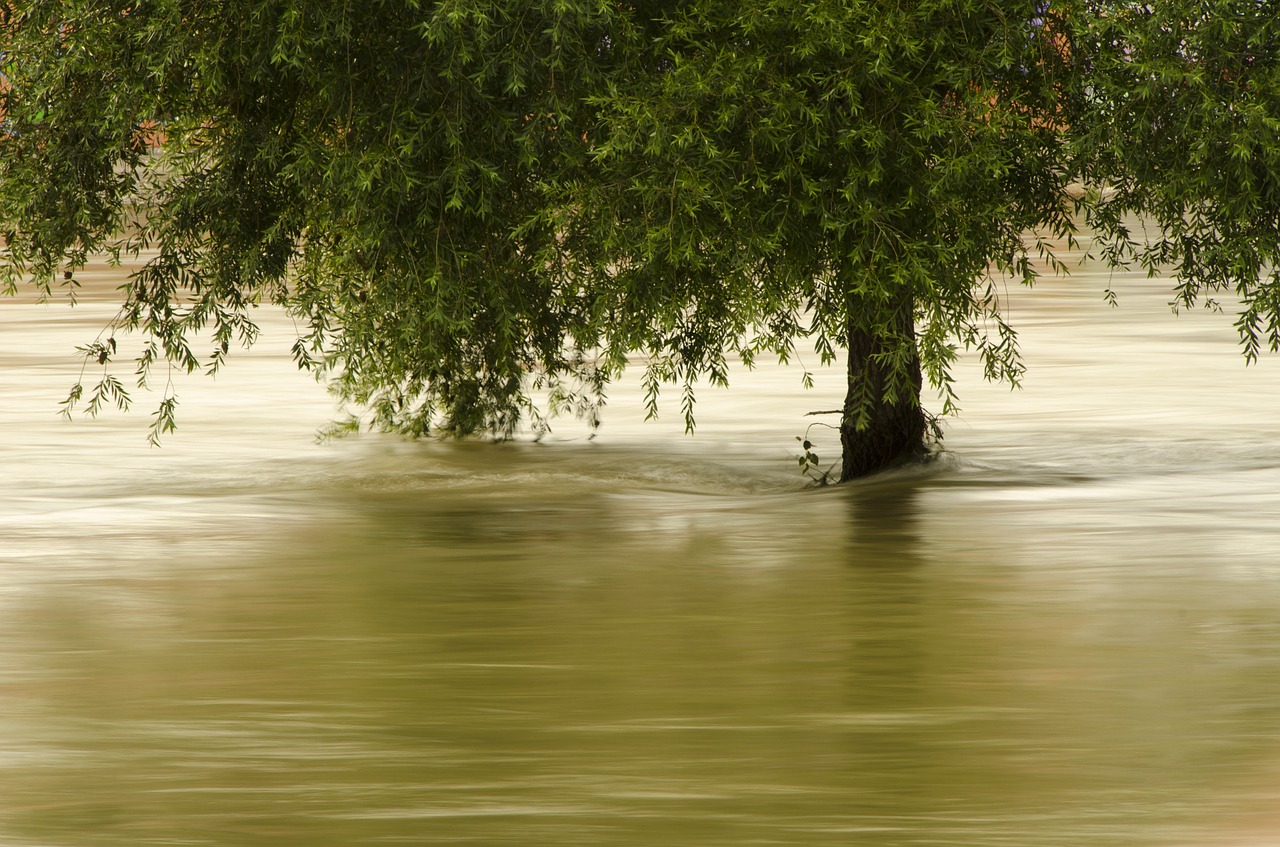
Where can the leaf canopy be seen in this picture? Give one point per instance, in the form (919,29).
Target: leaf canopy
(472,205)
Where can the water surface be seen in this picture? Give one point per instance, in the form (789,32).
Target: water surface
(1065,631)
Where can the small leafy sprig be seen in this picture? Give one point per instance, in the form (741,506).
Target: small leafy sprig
(809,462)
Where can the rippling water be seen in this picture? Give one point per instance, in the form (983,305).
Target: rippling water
(1064,631)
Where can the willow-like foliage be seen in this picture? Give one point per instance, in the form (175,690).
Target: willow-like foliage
(388,171)
(482,212)
(1182,139)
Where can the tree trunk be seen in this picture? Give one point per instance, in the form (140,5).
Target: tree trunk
(888,431)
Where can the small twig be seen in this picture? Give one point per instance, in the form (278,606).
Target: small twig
(825,412)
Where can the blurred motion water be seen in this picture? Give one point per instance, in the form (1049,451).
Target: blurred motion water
(1064,631)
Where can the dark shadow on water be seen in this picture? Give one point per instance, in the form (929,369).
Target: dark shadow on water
(895,671)
(884,521)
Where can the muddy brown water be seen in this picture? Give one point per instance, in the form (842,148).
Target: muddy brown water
(1065,631)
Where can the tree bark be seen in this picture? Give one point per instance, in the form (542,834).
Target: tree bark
(889,431)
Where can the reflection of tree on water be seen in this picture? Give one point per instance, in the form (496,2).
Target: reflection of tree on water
(884,517)
(893,694)
(889,593)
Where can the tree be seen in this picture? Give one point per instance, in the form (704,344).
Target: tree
(472,203)
(847,172)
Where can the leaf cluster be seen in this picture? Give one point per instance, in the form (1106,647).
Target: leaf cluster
(382,170)
(1183,131)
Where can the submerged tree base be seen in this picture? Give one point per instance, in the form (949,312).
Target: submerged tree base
(882,421)
(875,449)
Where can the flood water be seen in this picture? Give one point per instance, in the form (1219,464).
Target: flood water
(1064,631)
